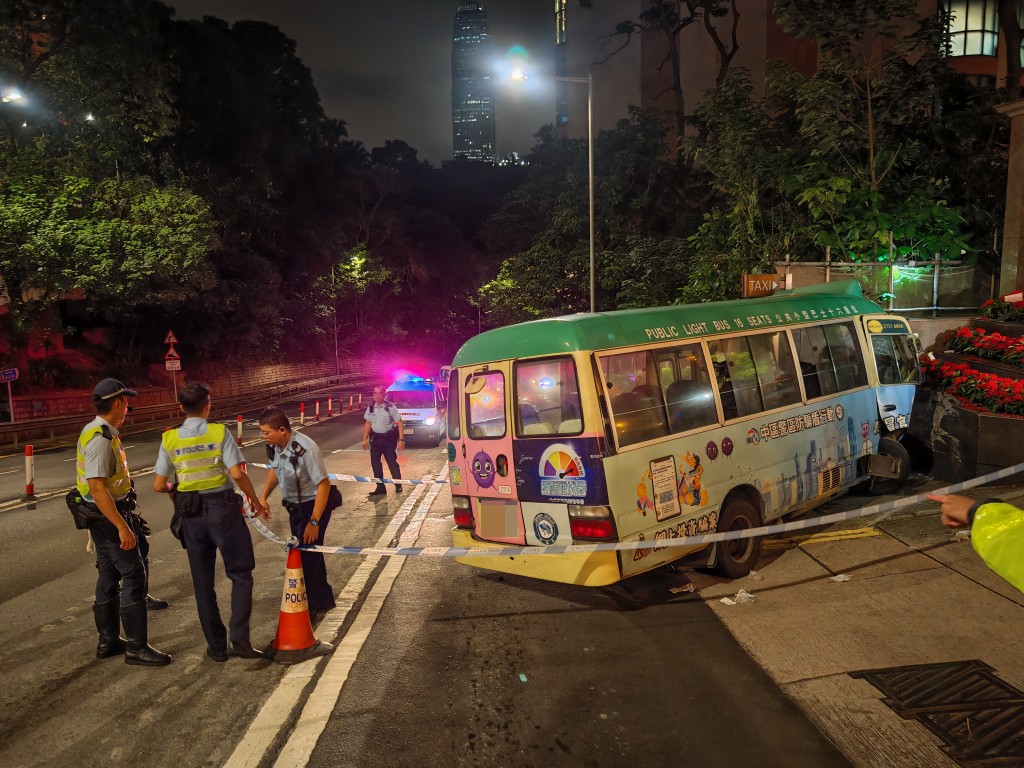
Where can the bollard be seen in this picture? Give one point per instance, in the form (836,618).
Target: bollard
(316,417)
(30,472)
(360,399)
(302,414)
(239,429)
(351,400)
(329,414)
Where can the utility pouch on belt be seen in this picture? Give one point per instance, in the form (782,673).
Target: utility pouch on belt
(84,515)
(188,504)
(333,499)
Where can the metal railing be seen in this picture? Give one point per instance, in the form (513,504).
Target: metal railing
(165,414)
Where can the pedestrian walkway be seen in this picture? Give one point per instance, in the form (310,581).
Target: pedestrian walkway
(892,635)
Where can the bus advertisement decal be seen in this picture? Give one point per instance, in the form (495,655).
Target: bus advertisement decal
(546,524)
(568,471)
(705,523)
(663,477)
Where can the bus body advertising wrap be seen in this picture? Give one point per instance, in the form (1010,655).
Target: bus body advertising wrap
(653,424)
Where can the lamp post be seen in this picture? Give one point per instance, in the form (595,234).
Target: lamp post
(587,81)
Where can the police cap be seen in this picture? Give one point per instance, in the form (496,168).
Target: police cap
(109,388)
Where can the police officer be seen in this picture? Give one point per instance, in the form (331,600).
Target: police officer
(298,466)
(383,431)
(104,483)
(204,458)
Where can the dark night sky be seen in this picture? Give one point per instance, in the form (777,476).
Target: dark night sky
(384,67)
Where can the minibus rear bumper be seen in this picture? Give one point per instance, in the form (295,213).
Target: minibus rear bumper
(589,569)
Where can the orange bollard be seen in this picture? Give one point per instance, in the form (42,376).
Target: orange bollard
(351,402)
(329,414)
(239,437)
(30,472)
(317,417)
(295,640)
(302,414)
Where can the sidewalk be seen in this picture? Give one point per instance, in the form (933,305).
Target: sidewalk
(917,594)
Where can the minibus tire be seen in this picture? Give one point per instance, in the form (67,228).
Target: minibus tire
(736,558)
(879,486)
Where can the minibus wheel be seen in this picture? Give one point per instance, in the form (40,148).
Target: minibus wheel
(737,557)
(879,486)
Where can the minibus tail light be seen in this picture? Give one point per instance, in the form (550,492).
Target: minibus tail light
(591,522)
(463,512)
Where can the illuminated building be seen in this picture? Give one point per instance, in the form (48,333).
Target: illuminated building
(472,87)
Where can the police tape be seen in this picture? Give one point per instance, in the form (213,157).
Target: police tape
(362,479)
(644,544)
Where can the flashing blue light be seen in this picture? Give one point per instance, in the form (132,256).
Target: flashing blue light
(545,382)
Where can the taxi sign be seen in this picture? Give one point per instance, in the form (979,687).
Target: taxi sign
(759,285)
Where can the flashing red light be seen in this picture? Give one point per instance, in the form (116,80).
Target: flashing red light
(463,518)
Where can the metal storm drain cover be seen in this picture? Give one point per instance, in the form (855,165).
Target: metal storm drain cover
(979,717)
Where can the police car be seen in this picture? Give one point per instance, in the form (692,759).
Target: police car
(422,405)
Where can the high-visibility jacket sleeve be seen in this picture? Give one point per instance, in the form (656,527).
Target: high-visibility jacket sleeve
(997,535)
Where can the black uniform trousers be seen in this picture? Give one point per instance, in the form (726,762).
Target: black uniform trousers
(122,572)
(314,570)
(384,444)
(220,526)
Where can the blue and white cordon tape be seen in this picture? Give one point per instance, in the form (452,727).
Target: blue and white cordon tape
(363,479)
(622,546)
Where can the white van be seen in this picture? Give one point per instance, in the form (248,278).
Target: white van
(422,405)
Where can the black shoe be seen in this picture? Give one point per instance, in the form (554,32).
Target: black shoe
(155,603)
(376,494)
(244,651)
(398,488)
(217,654)
(147,656)
(109,649)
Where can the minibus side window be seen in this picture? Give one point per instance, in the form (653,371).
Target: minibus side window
(547,398)
(638,409)
(776,372)
(454,428)
(688,394)
(485,405)
(842,341)
(816,364)
(736,377)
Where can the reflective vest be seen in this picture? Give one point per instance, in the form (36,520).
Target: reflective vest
(120,483)
(197,461)
(997,534)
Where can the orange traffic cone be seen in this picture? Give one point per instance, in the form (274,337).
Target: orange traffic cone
(295,640)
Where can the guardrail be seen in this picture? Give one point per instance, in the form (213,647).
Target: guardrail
(50,429)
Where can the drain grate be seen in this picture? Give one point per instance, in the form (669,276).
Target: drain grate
(979,717)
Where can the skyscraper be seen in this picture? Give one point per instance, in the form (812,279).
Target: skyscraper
(472,89)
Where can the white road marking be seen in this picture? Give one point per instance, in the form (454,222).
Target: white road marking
(12,471)
(277,710)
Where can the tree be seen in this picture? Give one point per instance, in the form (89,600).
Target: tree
(873,143)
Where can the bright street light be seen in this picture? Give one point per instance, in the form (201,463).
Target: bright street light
(11,94)
(519,74)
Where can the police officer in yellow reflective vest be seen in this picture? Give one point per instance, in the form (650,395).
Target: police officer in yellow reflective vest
(205,459)
(105,484)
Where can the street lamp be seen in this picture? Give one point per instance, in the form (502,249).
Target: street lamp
(588,81)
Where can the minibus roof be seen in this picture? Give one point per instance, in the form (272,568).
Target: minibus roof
(624,328)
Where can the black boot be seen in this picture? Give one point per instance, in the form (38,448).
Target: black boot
(152,603)
(135,629)
(110,643)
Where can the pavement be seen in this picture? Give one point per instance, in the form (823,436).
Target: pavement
(891,634)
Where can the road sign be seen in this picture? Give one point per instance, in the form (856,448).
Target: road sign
(172,365)
(11,374)
(170,338)
(759,285)
(172,354)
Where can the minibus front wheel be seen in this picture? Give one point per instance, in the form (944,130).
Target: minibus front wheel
(735,558)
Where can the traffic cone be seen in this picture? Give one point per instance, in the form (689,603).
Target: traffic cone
(295,640)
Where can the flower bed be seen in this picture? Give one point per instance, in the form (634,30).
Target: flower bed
(1008,350)
(997,309)
(975,390)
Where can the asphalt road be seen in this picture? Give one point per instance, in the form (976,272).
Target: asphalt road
(437,663)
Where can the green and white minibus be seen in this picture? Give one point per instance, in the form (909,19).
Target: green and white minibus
(652,424)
